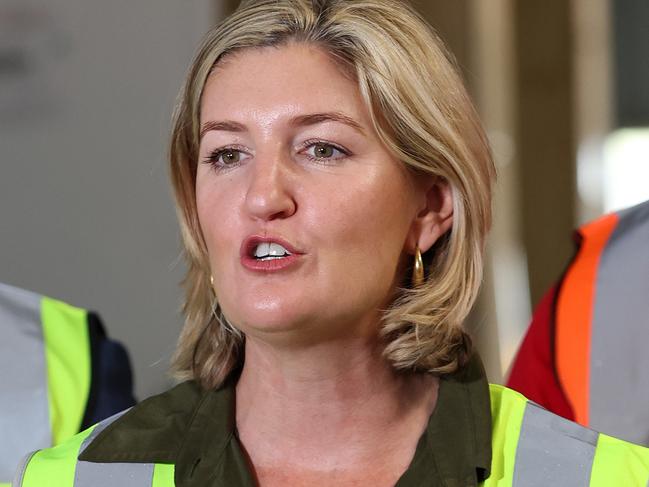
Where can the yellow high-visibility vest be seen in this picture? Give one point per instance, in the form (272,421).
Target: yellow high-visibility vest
(45,374)
(531,447)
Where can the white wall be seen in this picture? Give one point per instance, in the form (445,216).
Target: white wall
(86,215)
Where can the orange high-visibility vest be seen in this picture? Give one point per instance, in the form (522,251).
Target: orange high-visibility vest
(602,326)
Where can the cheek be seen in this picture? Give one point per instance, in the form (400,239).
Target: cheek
(204,205)
(376,208)
(216,224)
(368,222)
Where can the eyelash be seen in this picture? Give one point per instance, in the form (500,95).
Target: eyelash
(323,160)
(214,156)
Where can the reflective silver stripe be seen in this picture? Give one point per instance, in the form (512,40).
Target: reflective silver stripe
(552,451)
(619,364)
(24,407)
(91,474)
(20,471)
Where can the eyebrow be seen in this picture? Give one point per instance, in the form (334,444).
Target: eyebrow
(316,118)
(300,121)
(223,126)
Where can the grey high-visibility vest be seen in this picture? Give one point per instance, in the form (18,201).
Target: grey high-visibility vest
(45,374)
(531,447)
(602,326)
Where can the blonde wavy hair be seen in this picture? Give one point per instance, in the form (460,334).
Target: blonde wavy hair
(421,112)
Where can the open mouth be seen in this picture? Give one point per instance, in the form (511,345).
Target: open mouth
(269,254)
(269,251)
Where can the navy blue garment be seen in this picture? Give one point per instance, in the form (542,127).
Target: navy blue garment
(111,389)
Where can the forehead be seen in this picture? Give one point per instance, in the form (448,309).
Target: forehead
(283,80)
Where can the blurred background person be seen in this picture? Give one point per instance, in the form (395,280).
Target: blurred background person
(584,355)
(59,374)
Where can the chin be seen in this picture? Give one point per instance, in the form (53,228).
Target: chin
(270,317)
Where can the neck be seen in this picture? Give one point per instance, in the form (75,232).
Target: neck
(336,402)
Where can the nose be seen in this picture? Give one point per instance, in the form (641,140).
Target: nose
(270,195)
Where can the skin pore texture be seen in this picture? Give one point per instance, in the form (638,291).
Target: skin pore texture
(288,155)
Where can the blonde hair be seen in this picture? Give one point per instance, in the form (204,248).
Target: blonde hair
(423,115)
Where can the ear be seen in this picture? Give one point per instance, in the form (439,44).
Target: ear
(435,215)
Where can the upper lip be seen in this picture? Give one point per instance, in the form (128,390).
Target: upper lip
(249,245)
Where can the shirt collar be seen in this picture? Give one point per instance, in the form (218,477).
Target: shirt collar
(456,447)
(195,430)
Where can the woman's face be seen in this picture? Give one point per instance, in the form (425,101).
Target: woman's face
(305,214)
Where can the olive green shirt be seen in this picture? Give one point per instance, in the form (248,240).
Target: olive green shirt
(195,430)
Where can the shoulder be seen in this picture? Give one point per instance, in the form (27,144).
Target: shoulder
(158,424)
(633,218)
(530,442)
(148,433)
(52,466)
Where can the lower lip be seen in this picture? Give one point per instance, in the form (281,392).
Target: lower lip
(270,265)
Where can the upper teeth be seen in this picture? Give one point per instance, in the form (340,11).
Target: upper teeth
(270,249)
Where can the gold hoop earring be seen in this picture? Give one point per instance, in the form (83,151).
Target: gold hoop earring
(418,269)
(212,280)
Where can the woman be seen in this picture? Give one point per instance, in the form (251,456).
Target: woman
(334,187)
